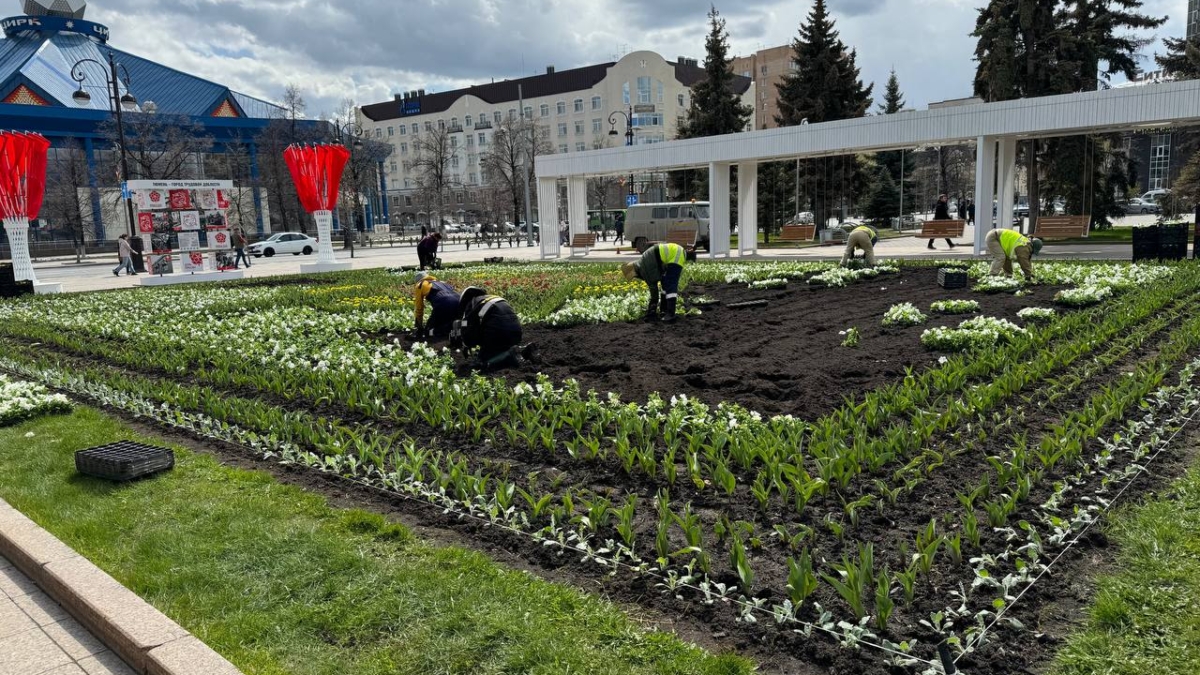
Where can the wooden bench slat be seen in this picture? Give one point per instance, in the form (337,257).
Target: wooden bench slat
(682,237)
(582,241)
(1062,227)
(942,229)
(798,233)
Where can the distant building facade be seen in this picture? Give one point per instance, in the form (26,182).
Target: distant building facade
(571,108)
(767,68)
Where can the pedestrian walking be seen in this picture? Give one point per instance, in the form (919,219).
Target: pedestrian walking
(620,223)
(971,212)
(125,254)
(239,246)
(942,212)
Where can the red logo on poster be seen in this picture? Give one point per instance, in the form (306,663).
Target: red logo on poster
(222,237)
(155,196)
(181,199)
(197,258)
(146,223)
(222,200)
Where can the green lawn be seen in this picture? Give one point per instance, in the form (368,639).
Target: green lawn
(278,582)
(1146,616)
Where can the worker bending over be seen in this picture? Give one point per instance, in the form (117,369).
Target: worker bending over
(442,298)
(489,323)
(862,239)
(427,249)
(1005,245)
(660,264)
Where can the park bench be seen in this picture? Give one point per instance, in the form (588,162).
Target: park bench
(685,238)
(1062,227)
(582,241)
(942,229)
(796,233)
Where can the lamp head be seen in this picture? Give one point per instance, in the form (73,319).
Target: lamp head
(128,102)
(81,97)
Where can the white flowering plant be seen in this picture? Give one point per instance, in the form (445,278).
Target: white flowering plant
(1037,314)
(954,307)
(990,284)
(1084,297)
(769,284)
(852,336)
(904,314)
(20,401)
(981,331)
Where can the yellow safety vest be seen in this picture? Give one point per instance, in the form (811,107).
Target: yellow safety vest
(1010,240)
(671,254)
(864,228)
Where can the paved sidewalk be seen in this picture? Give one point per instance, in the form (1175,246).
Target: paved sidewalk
(37,637)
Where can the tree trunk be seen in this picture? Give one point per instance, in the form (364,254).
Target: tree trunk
(1034,187)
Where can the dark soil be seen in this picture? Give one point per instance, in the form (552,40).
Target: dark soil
(782,359)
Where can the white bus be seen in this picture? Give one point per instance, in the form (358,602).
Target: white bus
(647,223)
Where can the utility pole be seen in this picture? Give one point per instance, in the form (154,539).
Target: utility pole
(525,169)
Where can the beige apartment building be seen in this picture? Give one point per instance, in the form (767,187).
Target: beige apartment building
(572,109)
(767,68)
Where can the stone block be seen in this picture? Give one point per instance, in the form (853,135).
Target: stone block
(188,656)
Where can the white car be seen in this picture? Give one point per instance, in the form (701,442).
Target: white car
(283,242)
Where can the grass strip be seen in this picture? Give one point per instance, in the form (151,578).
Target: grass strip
(278,582)
(1146,615)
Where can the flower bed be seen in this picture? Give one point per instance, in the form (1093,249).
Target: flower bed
(904,314)
(954,307)
(982,331)
(1038,314)
(20,400)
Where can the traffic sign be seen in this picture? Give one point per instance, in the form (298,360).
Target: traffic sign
(631,200)
(125,190)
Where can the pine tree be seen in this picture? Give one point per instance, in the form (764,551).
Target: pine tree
(884,200)
(899,164)
(1182,60)
(716,108)
(825,85)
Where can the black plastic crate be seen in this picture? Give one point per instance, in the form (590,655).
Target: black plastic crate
(123,461)
(952,278)
(1174,251)
(7,276)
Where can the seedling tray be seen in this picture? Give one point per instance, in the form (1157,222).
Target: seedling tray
(950,278)
(123,461)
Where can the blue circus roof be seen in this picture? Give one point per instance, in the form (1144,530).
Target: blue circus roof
(42,61)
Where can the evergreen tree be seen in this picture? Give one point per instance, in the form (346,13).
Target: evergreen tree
(1182,60)
(825,85)
(884,200)
(716,108)
(899,164)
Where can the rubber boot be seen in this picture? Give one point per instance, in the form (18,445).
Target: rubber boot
(669,310)
(529,352)
(652,313)
(504,357)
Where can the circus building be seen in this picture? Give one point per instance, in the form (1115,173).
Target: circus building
(61,76)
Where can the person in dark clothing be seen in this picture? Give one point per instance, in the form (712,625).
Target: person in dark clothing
(962,208)
(489,323)
(942,212)
(444,300)
(971,212)
(424,231)
(239,246)
(427,249)
(620,224)
(661,263)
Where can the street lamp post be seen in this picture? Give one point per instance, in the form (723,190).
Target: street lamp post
(344,133)
(119,103)
(612,121)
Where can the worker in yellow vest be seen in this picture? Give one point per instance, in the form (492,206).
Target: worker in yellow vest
(660,264)
(1005,245)
(862,238)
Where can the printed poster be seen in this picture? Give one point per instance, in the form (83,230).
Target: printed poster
(208,200)
(146,223)
(189,221)
(193,261)
(220,240)
(149,200)
(181,200)
(189,241)
(161,264)
(222,201)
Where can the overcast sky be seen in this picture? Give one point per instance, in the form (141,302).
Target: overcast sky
(369,49)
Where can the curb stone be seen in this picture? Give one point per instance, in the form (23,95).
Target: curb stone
(145,638)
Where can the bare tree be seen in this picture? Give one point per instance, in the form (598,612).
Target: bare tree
(508,162)
(67,192)
(234,164)
(435,152)
(160,147)
(601,190)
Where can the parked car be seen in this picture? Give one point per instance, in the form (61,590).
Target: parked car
(1140,206)
(283,242)
(1154,196)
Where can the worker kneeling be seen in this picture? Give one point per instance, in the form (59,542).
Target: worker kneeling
(1004,245)
(862,239)
(442,298)
(489,323)
(660,264)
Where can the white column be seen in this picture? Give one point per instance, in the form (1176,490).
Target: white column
(718,210)
(18,242)
(1006,181)
(748,209)
(577,205)
(985,178)
(547,196)
(324,237)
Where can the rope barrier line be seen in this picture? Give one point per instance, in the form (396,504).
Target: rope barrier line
(1143,468)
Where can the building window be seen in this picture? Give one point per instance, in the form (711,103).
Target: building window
(643,85)
(597,126)
(579,127)
(454,141)
(561,107)
(482,138)
(1160,161)
(428,126)
(597,103)
(562,149)
(747,73)
(578,105)
(763,70)
(528,112)
(454,123)
(403,130)
(454,161)
(391,131)
(681,103)
(404,148)
(660,92)
(497,116)
(378,132)
(472,178)
(460,197)
(625,92)
(467,121)
(470,140)
(580,147)
(545,110)
(407,199)
(392,167)
(562,129)
(647,119)
(512,113)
